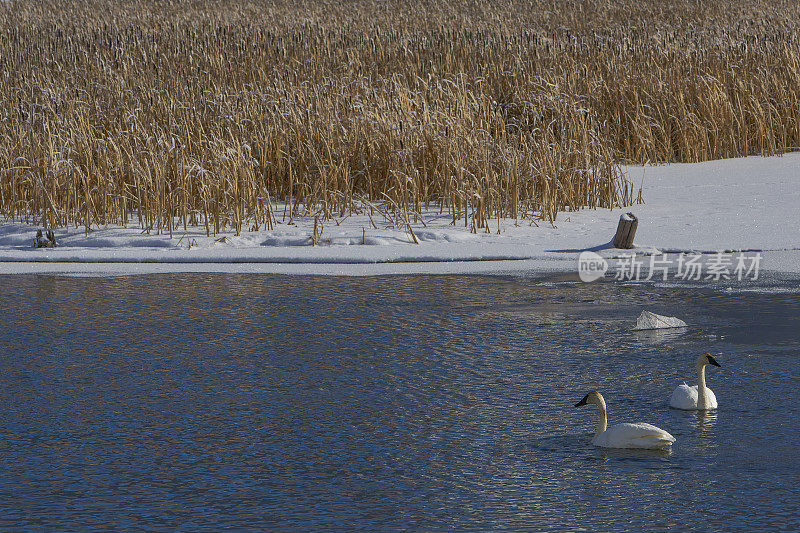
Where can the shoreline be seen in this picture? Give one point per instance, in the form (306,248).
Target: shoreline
(746,205)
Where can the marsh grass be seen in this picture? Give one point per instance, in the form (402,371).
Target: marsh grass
(209,113)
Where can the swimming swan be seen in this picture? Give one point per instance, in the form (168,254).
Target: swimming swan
(698,396)
(638,435)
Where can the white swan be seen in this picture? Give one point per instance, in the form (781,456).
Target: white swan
(698,396)
(638,435)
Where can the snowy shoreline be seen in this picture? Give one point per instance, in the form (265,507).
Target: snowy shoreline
(748,204)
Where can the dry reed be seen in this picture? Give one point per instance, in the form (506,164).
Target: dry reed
(210,112)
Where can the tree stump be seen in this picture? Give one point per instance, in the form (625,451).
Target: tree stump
(626,230)
(42,242)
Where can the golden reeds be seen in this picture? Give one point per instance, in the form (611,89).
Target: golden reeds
(209,112)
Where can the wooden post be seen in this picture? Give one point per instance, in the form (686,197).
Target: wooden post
(626,230)
(317,231)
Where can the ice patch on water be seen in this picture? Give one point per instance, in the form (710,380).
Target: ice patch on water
(648,320)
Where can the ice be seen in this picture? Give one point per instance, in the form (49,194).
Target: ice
(648,320)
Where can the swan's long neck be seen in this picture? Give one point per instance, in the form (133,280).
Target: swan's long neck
(702,396)
(602,420)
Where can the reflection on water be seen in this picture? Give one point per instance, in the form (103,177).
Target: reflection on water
(659,336)
(705,421)
(606,453)
(203,402)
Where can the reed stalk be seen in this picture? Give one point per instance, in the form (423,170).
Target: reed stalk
(206,112)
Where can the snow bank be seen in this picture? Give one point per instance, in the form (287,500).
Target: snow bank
(747,204)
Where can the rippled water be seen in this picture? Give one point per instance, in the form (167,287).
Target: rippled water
(199,402)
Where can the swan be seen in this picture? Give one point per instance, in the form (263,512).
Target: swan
(638,435)
(698,396)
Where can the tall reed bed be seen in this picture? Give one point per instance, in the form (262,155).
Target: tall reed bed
(210,112)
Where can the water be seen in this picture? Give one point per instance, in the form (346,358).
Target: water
(203,402)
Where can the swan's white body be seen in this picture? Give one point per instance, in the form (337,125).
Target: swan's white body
(697,396)
(686,397)
(637,435)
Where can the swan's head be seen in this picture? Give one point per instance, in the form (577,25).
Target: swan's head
(706,359)
(593,397)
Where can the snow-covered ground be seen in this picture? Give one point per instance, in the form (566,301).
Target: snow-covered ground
(750,204)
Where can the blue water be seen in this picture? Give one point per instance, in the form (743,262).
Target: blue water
(204,402)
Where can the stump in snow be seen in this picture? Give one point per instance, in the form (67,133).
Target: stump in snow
(626,230)
(45,242)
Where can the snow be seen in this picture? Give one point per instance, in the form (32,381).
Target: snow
(747,204)
(649,320)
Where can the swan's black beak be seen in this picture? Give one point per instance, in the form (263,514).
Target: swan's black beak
(712,361)
(582,402)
